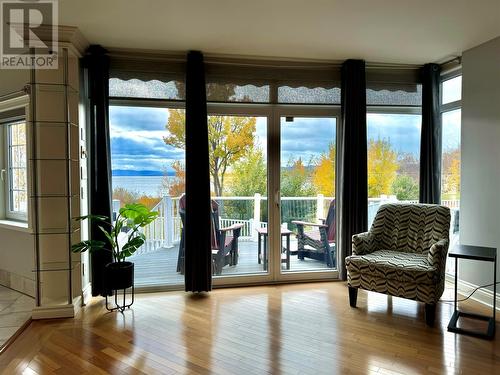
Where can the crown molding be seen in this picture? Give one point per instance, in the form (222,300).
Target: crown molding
(71,37)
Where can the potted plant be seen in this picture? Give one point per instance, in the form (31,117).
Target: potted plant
(124,237)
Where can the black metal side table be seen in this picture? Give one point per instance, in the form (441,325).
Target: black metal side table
(486,254)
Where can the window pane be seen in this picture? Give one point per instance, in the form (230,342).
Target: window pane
(452,90)
(17,169)
(230,92)
(450,177)
(147,157)
(238,180)
(306,95)
(135,88)
(393,159)
(308,157)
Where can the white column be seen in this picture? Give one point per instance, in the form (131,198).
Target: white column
(168,220)
(256,216)
(320,205)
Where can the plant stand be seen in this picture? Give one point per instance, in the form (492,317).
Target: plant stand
(124,305)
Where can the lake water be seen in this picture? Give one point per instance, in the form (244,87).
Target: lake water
(142,185)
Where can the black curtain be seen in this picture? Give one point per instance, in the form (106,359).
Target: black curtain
(430,143)
(352,182)
(96,63)
(198,254)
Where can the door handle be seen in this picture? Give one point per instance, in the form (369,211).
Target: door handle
(277,198)
(2,174)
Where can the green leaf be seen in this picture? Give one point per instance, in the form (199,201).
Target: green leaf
(91,245)
(132,246)
(93,217)
(108,236)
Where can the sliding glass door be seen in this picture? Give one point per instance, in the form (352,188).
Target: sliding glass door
(307,195)
(238,185)
(274,198)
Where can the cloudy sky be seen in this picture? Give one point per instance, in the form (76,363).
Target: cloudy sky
(137,136)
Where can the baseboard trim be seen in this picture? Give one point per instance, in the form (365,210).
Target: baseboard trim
(54,312)
(484,296)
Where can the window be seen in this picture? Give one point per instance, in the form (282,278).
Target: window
(14,173)
(451,116)
(393,158)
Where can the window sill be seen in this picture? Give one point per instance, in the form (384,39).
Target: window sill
(15,225)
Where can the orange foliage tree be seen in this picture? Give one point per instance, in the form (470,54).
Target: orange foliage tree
(323,176)
(176,185)
(229,138)
(382,167)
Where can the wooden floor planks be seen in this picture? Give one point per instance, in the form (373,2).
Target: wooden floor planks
(285,329)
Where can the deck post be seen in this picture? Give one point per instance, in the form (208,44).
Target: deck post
(168,220)
(320,207)
(255,223)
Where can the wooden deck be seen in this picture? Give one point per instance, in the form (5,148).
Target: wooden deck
(159,267)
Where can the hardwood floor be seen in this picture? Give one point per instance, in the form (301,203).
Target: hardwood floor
(287,329)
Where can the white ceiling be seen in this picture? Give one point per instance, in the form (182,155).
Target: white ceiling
(390,31)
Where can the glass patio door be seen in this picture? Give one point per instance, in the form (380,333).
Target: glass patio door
(306,247)
(238,150)
(278,192)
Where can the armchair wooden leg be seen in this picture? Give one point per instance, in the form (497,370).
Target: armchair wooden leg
(353,296)
(430,314)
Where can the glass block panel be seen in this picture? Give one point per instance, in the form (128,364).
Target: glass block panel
(231,92)
(452,90)
(306,95)
(388,97)
(154,89)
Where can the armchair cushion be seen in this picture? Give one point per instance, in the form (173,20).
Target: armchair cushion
(395,265)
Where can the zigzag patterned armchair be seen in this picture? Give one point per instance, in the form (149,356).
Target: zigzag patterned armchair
(403,254)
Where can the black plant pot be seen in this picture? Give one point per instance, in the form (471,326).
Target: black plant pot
(119,275)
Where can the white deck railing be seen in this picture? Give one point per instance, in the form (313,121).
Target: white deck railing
(165,231)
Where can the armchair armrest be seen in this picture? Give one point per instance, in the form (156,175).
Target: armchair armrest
(305,223)
(363,243)
(437,254)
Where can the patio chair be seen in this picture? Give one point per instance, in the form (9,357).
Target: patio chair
(320,241)
(224,241)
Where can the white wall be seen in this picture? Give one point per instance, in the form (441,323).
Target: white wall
(17,257)
(480,191)
(16,247)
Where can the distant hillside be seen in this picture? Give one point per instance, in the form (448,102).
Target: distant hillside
(125,172)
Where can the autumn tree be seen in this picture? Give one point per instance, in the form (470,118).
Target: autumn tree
(249,174)
(175,185)
(451,173)
(295,180)
(382,167)
(405,187)
(148,201)
(125,196)
(323,177)
(229,138)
